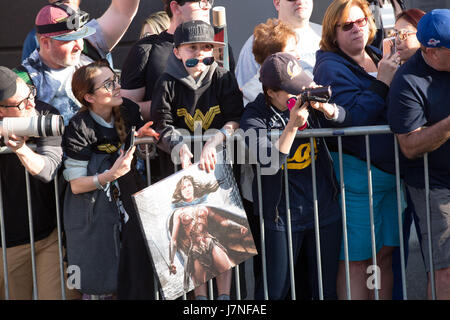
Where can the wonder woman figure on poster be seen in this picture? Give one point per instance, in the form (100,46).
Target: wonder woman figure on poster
(203,233)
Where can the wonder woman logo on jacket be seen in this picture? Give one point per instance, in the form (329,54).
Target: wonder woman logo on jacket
(205,120)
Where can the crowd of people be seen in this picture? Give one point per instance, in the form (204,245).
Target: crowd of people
(170,84)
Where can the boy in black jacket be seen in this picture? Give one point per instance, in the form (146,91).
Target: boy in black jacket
(194,95)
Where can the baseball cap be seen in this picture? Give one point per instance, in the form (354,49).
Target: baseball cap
(282,70)
(61,22)
(8,85)
(433,29)
(195,31)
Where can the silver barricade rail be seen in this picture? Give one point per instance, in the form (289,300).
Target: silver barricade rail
(309,133)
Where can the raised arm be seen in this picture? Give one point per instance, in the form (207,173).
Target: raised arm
(116,20)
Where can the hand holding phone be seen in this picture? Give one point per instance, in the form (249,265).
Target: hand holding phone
(129,141)
(389,46)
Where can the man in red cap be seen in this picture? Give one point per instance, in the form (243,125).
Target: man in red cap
(67,41)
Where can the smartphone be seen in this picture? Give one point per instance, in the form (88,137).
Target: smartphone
(129,141)
(388,46)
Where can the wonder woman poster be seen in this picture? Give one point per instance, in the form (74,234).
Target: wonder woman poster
(195,227)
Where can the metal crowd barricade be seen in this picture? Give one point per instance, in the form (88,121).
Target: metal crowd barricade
(311,134)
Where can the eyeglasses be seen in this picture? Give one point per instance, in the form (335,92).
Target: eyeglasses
(111,84)
(202,3)
(402,34)
(25,101)
(190,63)
(347,26)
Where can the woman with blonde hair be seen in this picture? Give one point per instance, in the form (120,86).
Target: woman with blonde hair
(155,24)
(360,79)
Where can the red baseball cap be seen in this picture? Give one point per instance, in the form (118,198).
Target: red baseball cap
(62,23)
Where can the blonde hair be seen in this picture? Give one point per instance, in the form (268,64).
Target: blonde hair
(158,21)
(337,13)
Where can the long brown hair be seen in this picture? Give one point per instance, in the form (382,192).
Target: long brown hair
(83,83)
(199,189)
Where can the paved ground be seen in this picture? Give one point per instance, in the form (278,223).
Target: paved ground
(416,282)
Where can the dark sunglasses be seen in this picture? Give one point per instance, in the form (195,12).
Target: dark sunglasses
(25,101)
(190,63)
(111,84)
(349,25)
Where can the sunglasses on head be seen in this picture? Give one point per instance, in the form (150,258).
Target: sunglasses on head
(347,26)
(190,63)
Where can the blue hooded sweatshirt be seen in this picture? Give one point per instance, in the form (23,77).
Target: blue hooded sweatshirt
(364,98)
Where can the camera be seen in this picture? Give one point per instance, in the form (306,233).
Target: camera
(38,126)
(320,94)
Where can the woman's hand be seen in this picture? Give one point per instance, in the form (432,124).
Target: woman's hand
(387,68)
(172,269)
(327,109)
(299,114)
(185,156)
(146,131)
(122,165)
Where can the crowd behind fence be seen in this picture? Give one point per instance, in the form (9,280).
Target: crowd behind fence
(311,134)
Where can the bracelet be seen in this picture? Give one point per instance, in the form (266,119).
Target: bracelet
(97,183)
(303,127)
(225,132)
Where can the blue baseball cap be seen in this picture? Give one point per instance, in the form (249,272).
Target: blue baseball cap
(433,29)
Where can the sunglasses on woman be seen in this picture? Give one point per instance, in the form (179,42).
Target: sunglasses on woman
(190,63)
(403,34)
(347,26)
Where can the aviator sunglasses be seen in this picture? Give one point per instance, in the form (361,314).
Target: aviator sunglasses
(347,26)
(190,63)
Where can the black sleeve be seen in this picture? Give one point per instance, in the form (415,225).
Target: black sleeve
(133,70)
(230,97)
(161,114)
(78,138)
(131,114)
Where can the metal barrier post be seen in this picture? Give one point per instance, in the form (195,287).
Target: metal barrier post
(372,223)
(263,239)
(58,225)
(427,204)
(344,220)
(400,220)
(30,222)
(4,251)
(289,232)
(316,220)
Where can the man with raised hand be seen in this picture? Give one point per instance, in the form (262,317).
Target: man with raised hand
(67,41)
